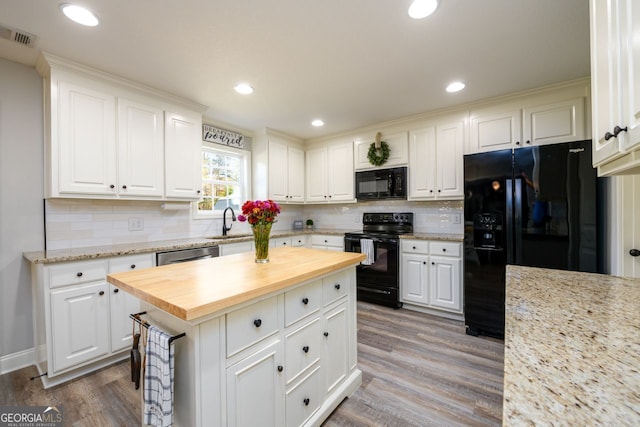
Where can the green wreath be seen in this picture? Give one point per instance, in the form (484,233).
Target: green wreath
(378,157)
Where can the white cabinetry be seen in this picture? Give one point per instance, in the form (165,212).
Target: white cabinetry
(398,154)
(329,174)
(236,248)
(295,241)
(552,116)
(615,61)
(183,155)
(286,172)
(327,242)
(436,161)
(79,320)
(109,138)
(430,275)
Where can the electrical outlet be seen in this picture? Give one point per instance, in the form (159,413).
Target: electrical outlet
(136,224)
(456,218)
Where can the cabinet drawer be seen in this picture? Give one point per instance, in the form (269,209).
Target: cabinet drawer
(416,246)
(76,273)
(251,324)
(302,302)
(279,242)
(446,249)
(130,262)
(302,349)
(299,241)
(324,240)
(304,399)
(335,287)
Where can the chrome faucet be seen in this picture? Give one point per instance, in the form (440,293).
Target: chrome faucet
(224,220)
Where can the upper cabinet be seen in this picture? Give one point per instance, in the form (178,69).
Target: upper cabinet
(398,151)
(330,174)
(106,137)
(436,160)
(538,120)
(615,82)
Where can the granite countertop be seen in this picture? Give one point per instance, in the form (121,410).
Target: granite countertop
(210,285)
(79,254)
(572,349)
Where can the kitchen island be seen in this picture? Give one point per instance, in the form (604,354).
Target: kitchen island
(572,349)
(266,344)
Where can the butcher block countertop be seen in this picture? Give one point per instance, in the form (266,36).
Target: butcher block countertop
(195,289)
(572,349)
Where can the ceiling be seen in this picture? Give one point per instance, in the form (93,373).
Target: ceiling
(351,63)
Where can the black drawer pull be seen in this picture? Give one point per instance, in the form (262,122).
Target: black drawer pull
(444,249)
(79,274)
(326,334)
(257,323)
(280,368)
(101,293)
(337,286)
(305,349)
(306,401)
(133,266)
(116,290)
(305,300)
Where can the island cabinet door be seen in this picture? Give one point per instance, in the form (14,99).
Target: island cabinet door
(336,347)
(80,316)
(255,389)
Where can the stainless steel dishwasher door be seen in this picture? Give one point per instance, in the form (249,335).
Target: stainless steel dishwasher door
(184,255)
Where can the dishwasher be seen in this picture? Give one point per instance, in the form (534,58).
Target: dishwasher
(184,255)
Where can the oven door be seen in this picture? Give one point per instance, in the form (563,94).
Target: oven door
(379,282)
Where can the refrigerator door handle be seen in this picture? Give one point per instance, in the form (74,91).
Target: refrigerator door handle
(517,213)
(509,216)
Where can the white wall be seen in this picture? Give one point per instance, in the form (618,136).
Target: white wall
(21,193)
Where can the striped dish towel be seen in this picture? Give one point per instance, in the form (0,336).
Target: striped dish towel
(366,248)
(158,379)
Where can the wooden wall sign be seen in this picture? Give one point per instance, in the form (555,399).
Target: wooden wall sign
(220,136)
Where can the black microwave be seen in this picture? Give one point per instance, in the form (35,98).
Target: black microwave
(382,184)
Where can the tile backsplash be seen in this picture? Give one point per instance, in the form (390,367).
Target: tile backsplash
(75,223)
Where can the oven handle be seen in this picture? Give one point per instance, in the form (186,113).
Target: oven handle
(372,290)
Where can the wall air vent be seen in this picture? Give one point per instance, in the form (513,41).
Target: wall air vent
(17,36)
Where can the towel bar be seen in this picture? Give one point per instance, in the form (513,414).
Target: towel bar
(138,320)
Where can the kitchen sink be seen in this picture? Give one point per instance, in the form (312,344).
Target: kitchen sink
(230,236)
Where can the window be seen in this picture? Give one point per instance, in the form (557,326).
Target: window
(224,181)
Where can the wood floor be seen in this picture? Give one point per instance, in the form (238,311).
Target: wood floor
(418,370)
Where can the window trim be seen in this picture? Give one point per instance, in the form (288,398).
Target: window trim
(245,156)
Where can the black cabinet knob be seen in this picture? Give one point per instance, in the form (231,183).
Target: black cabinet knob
(133,266)
(608,136)
(280,368)
(433,263)
(305,300)
(634,252)
(305,349)
(528,142)
(124,187)
(326,334)
(112,186)
(424,262)
(79,274)
(306,401)
(618,129)
(101,293)
(337,286)
(444,249)
(198,192)
(257,323)
(116,290)
(517,142)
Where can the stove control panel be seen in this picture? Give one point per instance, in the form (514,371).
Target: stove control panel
(405,218)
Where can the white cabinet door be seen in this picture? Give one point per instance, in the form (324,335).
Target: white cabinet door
(422,155)
(86,126)
(295,174)
(255,390)
(495,130)
(183,156)
(335,360)
(340,172)
(450,162)
(79,324)
(398,151)
(140,149)
(553,123)
(630,68)
(278,166)
(236,248)
(280,242)
(122,303)
(415,278)
(316,173)
(444,283)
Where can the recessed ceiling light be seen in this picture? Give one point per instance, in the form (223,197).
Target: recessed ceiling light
(422,8)
(79,15)
(243,88)
(455,86)
(317,123)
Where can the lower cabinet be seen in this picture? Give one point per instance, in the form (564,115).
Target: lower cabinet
(327,242)
(430,274)
(81,322)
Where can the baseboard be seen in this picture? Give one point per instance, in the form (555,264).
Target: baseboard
(15,361)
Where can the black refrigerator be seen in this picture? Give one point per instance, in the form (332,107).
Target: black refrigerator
(532,206)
